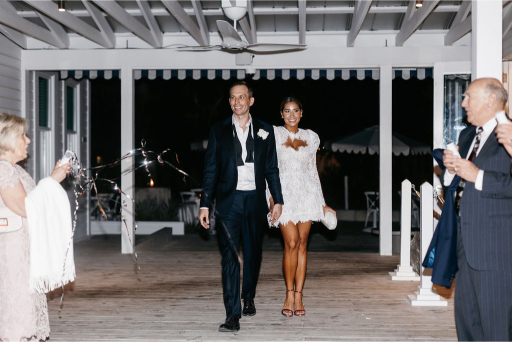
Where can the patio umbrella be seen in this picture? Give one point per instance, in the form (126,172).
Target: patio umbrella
(367,141)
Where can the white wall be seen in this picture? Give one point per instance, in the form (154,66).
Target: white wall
(10,77)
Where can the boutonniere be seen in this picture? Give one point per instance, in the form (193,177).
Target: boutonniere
(262,134)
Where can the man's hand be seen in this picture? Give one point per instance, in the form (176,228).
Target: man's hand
(466,170)
(449,160)
(504,135)
(277,210)
(204,218)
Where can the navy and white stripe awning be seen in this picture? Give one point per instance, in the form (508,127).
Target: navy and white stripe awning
(90,74)
(284,74)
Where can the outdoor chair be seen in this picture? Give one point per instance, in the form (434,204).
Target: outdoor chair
(188,196)
(372,206)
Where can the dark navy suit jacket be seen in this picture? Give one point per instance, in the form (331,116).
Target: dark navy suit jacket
(486,215)
(220,175)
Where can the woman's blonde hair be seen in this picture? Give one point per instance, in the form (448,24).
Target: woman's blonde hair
(10,127)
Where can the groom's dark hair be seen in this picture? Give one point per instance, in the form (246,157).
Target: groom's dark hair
(241,83)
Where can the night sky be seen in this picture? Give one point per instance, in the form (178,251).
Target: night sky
(174,113)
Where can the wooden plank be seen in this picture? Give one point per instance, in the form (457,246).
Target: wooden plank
(178,296)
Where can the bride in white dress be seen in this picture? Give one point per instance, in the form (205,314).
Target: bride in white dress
(303,199)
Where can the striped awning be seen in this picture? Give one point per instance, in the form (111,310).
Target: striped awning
(270,74)
(284,74)
(90,74)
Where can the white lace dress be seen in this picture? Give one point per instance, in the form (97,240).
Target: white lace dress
(23,317)
(300,184)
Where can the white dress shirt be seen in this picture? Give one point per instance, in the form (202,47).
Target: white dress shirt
(246,179)
(488,128)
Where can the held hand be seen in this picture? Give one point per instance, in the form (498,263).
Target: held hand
(326,209)
(204,218)
(449,160)
(276,212)
(466,170)
(60,172)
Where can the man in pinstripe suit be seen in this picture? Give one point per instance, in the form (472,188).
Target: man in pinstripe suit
(483,298)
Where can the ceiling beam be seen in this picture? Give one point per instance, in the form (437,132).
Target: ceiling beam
(410,26)
(154,28)
(101,21)
(161,12)
(133,25)
(56,29)
(50,9)
(458,31)
(184,19)
(8,17)
(302,21)
(252,20)
(411,8)
(461,24)
(246,29)
(360,13)
(201,20)
(16,37)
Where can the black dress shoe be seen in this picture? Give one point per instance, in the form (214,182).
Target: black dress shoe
(249,308)
(230,325)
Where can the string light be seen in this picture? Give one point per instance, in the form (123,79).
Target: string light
(419,3)
(62,6)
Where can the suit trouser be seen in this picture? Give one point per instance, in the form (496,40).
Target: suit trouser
(483,302)
(244,219)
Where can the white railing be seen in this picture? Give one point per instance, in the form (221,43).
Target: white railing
(425,295)
(404,271)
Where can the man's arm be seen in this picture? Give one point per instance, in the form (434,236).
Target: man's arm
(210,175)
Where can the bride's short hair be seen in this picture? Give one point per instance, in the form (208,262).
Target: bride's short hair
(288,100)
(10,127)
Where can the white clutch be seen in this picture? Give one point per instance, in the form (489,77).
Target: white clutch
(330,220)
(9,221)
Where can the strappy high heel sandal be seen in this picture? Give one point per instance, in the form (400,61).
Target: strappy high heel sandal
(287,312)
(299,312)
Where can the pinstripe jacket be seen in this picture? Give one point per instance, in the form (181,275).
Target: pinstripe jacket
(486,216)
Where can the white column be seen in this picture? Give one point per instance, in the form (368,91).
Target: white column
(426,295)
(127,144)
(404,271)
(385,155)
(486,38)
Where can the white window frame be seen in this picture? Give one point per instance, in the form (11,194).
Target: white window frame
(45,163)
(75,135)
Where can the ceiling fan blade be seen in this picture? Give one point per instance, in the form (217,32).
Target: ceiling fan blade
(262,47)
(228,32)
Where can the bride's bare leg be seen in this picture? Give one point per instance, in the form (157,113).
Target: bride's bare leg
(300,275)
(291,245)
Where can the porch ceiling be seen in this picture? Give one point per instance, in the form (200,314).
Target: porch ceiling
(102,21)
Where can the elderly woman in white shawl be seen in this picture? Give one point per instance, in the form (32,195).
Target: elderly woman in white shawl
(23,316)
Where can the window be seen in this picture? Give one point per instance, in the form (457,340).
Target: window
(454,114)
(71,117)
(45,158)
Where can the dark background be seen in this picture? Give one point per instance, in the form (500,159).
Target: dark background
(174,113)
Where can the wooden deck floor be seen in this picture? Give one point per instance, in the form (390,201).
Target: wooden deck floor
(178,295)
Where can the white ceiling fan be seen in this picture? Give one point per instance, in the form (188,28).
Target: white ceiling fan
(232,41)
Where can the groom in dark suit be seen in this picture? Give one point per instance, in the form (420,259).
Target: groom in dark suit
(241,155)
(483,295)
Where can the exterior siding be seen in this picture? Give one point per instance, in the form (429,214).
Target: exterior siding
(10,77)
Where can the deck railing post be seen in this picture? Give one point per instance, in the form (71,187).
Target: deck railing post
(404,271)
(426,295)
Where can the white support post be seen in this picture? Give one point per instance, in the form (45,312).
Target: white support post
(404,271)
(486,39)
(426,295)
(385,155)
(127,144)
